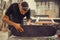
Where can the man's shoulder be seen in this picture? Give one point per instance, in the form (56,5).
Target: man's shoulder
(14,3)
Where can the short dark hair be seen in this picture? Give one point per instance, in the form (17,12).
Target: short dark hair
(24,5)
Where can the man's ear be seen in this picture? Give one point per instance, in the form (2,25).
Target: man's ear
(19,5)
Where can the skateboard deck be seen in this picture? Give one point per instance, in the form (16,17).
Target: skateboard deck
(34,31)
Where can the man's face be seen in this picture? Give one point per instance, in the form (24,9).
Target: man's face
(25,9)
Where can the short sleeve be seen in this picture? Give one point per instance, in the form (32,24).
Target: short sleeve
(8,11)
(28,14)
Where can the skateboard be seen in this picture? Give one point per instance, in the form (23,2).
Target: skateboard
(35,31)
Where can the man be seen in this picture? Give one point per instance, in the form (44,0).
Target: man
(15,14)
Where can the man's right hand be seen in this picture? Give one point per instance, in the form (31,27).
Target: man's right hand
(18,28)
(9,22)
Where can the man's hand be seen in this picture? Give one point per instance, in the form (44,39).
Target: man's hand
(28,22)
(9,22)
(18,28)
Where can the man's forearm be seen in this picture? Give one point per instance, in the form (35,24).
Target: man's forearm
(9,22)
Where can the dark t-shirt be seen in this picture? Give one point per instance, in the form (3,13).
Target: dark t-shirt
(15,15)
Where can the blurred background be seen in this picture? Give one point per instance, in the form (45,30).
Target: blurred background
(38,7)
